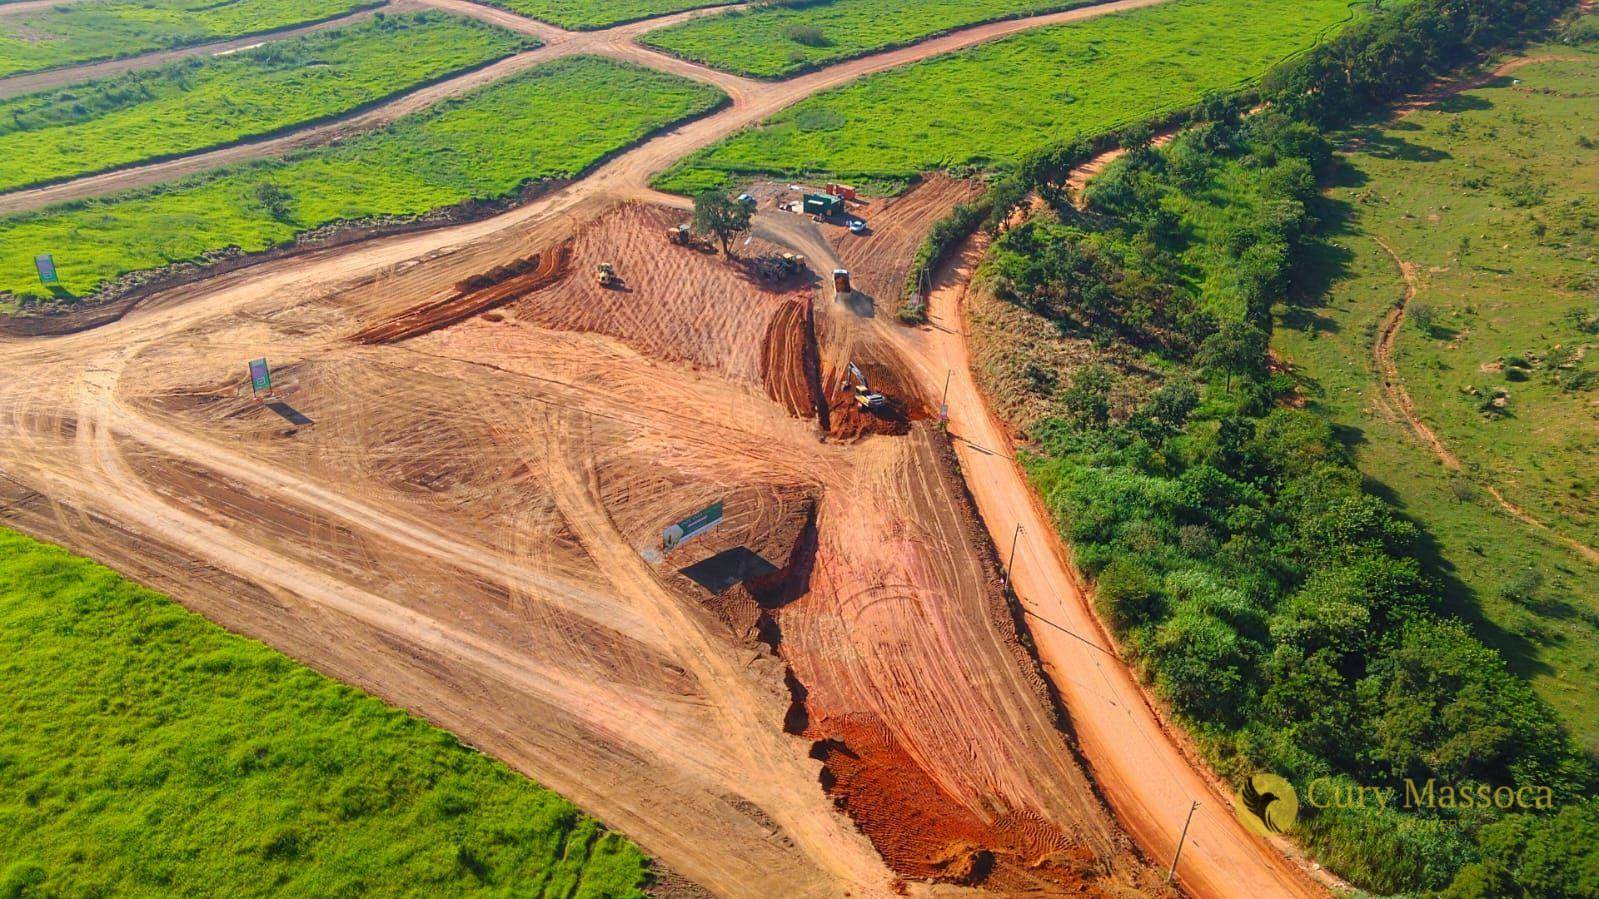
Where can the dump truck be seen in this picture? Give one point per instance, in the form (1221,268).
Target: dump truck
(841,284)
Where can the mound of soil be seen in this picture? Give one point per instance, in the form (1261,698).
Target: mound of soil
(674,303)
(473,295)
(925,835)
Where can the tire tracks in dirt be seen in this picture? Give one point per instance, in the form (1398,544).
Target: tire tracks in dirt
(1146,774)
(379,272)
(1399,401)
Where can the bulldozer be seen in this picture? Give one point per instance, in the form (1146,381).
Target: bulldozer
(605,275)
(779,268)
(865,396)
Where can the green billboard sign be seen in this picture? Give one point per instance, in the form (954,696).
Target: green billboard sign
(46,265)
(260,376)
(692,526)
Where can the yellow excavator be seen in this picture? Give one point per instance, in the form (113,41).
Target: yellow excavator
(865,396)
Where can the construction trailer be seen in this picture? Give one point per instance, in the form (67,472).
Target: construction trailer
(842,191)
(823,204)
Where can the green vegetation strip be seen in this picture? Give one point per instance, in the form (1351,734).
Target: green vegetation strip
(84,32)
(589,15)
(197,104)
(553,121)
(144,751)
(778,40)
(989,105)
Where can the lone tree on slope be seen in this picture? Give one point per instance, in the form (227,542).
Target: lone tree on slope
(717,213)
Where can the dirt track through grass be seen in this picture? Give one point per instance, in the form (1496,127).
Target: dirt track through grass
(987,106)
(83,32)
(1503,497)
(589,15)
(540,124)
(777,41)
(194,104)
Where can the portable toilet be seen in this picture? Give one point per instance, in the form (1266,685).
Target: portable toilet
(823,204)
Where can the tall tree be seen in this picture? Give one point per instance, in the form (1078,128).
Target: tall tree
(718,214)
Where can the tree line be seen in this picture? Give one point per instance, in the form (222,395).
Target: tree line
(1276,604)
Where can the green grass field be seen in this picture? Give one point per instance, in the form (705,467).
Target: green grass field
(147,752)
(83,32)
(544,123)
(589,15)
(778,41)
(1491,195)
(987,106)
(200,103)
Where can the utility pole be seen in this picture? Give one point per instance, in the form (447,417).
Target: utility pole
(1012,560)
(944,401)
(1179,854)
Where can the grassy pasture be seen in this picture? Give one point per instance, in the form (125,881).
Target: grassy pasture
(146,752)
(83,32)
(987,106)
(778,41)
(589,15)
(197,103)
(1490,195)
(541,124)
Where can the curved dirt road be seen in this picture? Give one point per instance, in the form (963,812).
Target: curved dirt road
(1147,778)
(1139,767)
(29,82)
(1393,388)
(754,100)
(142,175)
(615,42)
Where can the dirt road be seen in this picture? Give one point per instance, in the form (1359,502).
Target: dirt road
(1143,771)
(135,176)
(616,42)
(38,81)
(752,100)
(1399,401)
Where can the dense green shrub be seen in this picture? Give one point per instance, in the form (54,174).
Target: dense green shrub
(1396,51)
(1273,602)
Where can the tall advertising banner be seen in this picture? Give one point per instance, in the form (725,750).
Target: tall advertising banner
(260,376)
(46,265)
(692,526)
